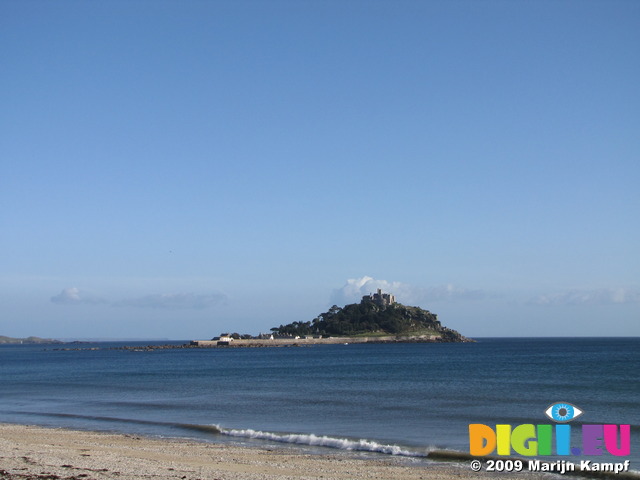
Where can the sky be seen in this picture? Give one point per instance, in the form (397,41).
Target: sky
(176,169)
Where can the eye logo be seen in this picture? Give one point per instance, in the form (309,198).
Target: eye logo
(563,412)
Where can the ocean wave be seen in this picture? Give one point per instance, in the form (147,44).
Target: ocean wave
(311,439)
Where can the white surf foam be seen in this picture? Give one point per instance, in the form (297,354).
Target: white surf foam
(322,441)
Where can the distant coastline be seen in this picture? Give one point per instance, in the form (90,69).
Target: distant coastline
(27,340)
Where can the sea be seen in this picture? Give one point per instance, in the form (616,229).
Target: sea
(404,400)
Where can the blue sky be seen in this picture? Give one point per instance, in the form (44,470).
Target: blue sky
(178,169)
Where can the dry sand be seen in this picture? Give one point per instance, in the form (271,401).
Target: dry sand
(28,452)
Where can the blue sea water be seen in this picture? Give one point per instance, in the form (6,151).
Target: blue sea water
(390,398)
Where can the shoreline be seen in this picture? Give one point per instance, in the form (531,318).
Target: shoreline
(32,452)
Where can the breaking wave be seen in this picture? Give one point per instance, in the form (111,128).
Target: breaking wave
(322,441)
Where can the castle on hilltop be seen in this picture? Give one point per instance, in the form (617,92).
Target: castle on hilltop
(379,298)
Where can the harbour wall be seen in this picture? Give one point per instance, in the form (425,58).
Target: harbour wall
(282,342)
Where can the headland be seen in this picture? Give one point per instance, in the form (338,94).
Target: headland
(26,341)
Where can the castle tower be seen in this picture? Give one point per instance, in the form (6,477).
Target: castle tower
(379,298)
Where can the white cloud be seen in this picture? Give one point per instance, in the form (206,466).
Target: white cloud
(601,296)
(173,301)
(355,288)
(74,296)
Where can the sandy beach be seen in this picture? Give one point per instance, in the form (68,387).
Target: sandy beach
(29,452)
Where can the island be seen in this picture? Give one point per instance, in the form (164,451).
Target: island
(378,318)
